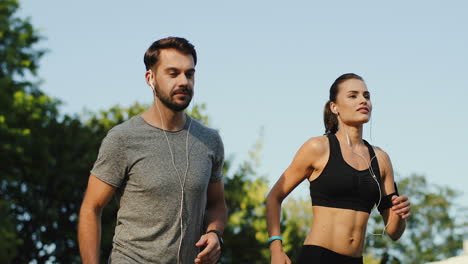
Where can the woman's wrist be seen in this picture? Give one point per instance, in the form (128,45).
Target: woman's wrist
(276,246)
(273,238)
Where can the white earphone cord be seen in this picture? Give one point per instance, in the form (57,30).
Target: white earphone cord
(181,181)
(371,170)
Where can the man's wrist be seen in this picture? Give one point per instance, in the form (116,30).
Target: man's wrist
(218,234)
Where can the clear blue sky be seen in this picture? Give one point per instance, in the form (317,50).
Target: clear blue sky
(270,64)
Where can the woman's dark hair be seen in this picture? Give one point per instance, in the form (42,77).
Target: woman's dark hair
(182,45)
(329,118)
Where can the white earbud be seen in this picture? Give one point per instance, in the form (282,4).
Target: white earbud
(151,82)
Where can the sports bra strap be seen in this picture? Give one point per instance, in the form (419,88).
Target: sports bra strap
(374,161)
(335,150)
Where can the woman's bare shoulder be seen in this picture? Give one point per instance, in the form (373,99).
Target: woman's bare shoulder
(316,145)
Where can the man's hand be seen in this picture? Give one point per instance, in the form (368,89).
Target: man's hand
(212,251)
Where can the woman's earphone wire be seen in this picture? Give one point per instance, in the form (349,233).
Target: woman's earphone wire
(371,171)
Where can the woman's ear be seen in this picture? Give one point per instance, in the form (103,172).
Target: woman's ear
(334,108)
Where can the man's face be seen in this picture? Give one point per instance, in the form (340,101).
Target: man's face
(174,79)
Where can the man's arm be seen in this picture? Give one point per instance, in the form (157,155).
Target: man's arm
(216,218)
(96,197)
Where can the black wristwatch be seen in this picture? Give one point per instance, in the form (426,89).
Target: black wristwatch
(220,238)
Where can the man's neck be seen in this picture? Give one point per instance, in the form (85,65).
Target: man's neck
(171,120)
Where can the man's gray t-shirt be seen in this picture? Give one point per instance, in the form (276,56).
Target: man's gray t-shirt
(135,158)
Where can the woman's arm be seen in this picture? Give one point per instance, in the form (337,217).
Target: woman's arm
(394,217)
(302,166)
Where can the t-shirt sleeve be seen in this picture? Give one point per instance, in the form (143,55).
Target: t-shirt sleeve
(111,163)
(218,163)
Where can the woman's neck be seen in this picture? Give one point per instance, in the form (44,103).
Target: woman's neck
(351,134)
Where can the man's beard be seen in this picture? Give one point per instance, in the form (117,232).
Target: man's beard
(169,103)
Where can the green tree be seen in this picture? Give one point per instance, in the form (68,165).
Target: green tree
(18,58)
(8,237)
(44,169)
(44,157)
(245,193)
(434,230)
(246,232)
(296,222)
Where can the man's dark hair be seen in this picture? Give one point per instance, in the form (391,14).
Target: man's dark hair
(182,45)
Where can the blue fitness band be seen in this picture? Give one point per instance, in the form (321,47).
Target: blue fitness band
(273,238)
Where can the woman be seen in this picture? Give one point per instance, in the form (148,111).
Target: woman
(347,178)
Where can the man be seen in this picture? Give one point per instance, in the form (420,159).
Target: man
(165,169)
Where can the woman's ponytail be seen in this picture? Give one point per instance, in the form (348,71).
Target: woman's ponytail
(329,119)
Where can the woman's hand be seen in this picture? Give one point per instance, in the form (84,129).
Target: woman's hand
(280,258)
(277,254)
(401,206)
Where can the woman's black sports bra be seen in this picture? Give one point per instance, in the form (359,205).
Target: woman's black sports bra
(342,186)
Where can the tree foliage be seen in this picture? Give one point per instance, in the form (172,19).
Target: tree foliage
(295,225)
(45,158)
(434,231)
(22,106)
(246,230)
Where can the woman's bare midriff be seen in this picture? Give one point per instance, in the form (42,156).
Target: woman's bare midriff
(339,230)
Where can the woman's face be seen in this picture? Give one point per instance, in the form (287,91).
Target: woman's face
(353,104)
